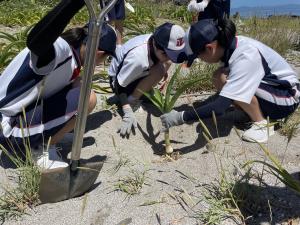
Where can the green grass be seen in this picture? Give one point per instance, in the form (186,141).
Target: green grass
(123,160)
(21,13)
(200,71)
(290,126)
(29,12)
(11,45)
(23,194)
(131,184)
(142,21)
(279,32)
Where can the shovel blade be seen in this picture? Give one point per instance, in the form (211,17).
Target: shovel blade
(54,185)
(85,176)
(61,183)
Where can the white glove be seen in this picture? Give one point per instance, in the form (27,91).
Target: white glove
(129,123)
(171,119)
(193,6)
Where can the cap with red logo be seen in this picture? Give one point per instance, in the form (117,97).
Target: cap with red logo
(171,38)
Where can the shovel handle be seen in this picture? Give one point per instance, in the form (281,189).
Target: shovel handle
(95,26)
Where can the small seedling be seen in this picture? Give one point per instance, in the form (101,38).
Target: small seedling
(165,102)
(123,159)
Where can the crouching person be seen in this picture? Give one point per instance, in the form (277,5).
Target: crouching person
(43,81)
(254,77)
(140,65)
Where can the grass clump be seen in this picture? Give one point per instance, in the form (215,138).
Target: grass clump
(29,12)
(238,198)
(122,161)
(221,202)
(131,184)
(202,72)
(23,194)
(278,32)
(16,201)
(23,13)
(275,168)
(11,45)
(140,22)
(290,127)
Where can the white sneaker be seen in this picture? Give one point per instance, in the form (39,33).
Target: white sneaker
(259,132)
(49,158)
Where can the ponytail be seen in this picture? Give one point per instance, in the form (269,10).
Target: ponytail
(75,36)
(227,32)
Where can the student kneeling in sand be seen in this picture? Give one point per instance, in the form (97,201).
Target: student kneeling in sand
(139,67)
(43,79)
(254,77)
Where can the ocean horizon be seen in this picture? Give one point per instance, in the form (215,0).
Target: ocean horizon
(265,11)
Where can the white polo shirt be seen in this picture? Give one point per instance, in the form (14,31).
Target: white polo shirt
(250,63)
(136,63)
(21,80)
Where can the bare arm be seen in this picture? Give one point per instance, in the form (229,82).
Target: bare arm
(156,73)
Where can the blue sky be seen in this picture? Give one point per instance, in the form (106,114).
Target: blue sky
(239,3)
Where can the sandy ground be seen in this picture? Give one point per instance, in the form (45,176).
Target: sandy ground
(174,188)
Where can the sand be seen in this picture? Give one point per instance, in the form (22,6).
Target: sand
(173,190)
(173,187)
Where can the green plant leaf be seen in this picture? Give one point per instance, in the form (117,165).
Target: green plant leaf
(170,88)
(154,100)
(179,91)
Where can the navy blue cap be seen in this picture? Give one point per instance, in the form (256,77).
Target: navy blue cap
(200,34)
(170,37)
(107,40)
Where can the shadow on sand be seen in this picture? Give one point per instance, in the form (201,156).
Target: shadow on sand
(94,121)
(232,117)
(269,204)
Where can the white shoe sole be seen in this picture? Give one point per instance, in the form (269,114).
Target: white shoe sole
(245,138)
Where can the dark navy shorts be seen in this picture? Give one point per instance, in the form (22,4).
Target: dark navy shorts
(129,89)
(277,102)
(43,119)
(117,12)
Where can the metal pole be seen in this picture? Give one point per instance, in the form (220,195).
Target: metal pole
(95,26)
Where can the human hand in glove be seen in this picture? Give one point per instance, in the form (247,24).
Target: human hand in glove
(129,122)
(171,119)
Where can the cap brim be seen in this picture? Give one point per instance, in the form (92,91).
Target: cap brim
(176,56)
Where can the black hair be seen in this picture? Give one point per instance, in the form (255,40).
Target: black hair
(75,36)
(227,32)
(151,43)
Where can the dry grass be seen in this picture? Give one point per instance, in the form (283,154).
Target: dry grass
(21,196)
(131,184)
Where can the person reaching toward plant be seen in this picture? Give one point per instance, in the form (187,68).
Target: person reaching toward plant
(254,77)
(43,82)
(140,65)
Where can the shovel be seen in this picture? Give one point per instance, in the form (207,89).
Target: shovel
(64,183)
